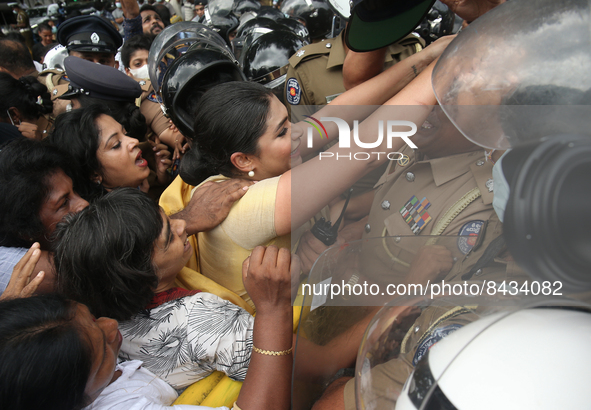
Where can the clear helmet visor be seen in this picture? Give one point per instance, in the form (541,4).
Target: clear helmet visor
(493,78)
(174,41)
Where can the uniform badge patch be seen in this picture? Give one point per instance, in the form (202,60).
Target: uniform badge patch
(293,91)
(154,98)
(469,235)
(415,214)
(95,38)
(433,338)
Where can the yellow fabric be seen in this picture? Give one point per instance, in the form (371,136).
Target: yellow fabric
(251,222)
(173,199)
(215,390)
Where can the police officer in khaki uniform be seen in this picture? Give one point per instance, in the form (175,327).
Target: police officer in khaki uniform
(22,24)
(314,75)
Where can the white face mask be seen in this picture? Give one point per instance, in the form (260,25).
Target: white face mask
(118,5)
(141,72)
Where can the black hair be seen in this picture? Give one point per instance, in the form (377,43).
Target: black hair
(164,13)
(28,95)
(17,37)
(43,26)
(139,42)
(15,56)
(76,133)
(147,7)
(25,168)
(45,362)
(230,117)
(125,113)
(103,254)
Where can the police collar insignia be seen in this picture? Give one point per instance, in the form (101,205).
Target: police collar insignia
(415,214)
(300,53)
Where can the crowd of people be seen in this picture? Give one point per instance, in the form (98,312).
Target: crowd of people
(163,179)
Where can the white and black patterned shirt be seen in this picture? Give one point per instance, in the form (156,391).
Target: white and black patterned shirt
(186,338)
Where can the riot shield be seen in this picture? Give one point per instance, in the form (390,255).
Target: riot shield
(348,285)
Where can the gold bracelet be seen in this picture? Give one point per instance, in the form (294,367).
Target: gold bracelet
(272,352)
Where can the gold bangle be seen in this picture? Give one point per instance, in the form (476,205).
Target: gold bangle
(273,352)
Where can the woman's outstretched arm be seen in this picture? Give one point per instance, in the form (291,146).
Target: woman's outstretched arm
(307,188)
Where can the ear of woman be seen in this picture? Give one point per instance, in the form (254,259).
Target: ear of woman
(242,162)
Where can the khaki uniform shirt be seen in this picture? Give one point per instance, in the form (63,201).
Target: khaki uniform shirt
(440,185)
(419,199)
(150,108)
(315,77)
(315,72)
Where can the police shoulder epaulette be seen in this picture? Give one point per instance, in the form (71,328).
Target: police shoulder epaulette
(307,52)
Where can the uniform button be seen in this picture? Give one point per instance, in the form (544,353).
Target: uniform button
(386,205)
(410,176)
(417,329)
(328,45)
(479,163)
(478,272)
(367,228)
(142,82)
(397,239)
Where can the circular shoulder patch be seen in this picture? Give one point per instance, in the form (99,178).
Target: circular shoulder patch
(435,336)
(469,234)
(293,91)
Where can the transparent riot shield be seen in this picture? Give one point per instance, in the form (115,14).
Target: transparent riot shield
(348,285)
(524,64)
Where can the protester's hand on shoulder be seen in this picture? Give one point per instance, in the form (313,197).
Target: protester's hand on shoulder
(211,204)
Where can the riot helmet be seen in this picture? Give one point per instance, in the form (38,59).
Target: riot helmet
(296,26)
(258,22)
(470,367)
(54,59)
(270,13)
(188,77)
(224,25)
(243,6)
(540,115)
(438,22)
(174,41)
(265,58)
(317,15)
(250,31)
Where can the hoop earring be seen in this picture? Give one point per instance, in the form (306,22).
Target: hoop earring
(251,173)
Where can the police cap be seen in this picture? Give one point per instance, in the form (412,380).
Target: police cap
(99,81)
(89,34)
